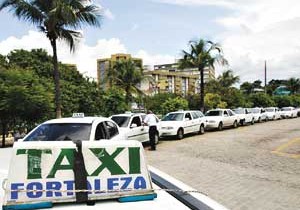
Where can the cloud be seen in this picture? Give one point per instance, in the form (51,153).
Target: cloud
(108,14)
(257,30)
(85,56)
(154,59)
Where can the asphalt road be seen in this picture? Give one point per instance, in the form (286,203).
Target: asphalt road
(251,167)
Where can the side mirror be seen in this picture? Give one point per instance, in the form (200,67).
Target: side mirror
(133,125)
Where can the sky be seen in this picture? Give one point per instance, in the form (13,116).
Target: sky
(249,31)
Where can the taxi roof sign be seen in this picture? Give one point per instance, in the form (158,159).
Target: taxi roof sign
(78,115)
(45,173)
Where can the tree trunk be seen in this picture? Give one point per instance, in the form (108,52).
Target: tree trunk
(3,134)
(201,88)
(56,80)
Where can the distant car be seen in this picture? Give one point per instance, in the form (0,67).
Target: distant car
(273,113)
(245,116)
(77,127)
(182,122)
(132,127)
(219,118)
(259,114)
(288,112)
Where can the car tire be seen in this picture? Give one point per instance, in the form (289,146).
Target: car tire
(180,134)
(201,129)
(259,120)
(252,121)
(235,124)
(220,126)
(156,138)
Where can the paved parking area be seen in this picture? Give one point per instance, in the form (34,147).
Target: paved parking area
(251,167)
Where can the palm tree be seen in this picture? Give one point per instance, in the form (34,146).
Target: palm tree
(203,54)
(127,76)
(58,19)
(227,79)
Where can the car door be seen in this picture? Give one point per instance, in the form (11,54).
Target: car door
(136,130)
(188,123)
(196,121)
(228,117)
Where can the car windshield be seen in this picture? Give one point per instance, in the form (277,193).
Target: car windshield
(122,121)
(173,117)
(239,111)
(270,110)
(286,109)
(214,113)
(255,110)
(60,132)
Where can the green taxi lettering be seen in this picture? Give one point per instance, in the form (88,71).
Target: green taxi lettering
(65,153)
(34,157)
(107,161)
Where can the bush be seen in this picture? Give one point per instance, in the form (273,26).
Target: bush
(174,104)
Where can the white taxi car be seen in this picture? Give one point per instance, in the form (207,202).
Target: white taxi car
(259,114)
(77,127)
(273,113)
(288,112)
(132,127)
(245,115)
(182,122)
(219,118)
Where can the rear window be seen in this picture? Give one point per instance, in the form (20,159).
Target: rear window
(173,117)
(61,132)
(239,111)
(270,110)
(214,113)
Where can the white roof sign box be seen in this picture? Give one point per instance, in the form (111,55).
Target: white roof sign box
(56,172)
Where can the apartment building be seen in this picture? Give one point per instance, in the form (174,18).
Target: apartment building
(170,79)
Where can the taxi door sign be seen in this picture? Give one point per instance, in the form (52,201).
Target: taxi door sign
(43,172)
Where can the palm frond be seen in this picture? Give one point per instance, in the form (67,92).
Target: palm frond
(24,10)
(71,37)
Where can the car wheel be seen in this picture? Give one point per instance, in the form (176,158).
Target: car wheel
(259,120)
(220,126)
(180,134)
(235,124)
(201,129)
(156,138)
(252,121)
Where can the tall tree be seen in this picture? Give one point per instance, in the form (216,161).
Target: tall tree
(128,76)
(58,19)
(203,54)
(227,79)
(24,97)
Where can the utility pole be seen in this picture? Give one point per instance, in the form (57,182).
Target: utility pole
(265,77)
